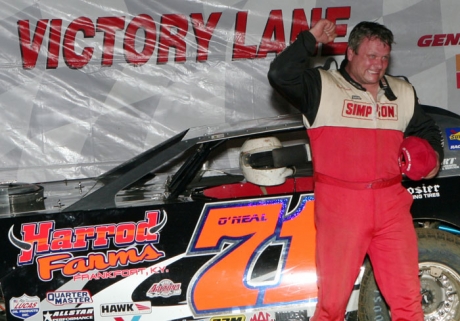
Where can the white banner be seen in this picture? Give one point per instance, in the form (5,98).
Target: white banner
(86,85)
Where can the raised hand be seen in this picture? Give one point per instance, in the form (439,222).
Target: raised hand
(324,31)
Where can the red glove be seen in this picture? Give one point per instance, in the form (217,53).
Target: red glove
(416,158)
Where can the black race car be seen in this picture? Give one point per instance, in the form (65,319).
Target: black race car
(216,223)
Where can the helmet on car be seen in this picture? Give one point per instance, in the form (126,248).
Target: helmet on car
(262,175)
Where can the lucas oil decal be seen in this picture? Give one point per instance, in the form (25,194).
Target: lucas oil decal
(25,306)
(69,315)
(52,248)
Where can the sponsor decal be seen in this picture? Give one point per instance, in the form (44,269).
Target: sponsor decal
(360,110)
(453,138)
(126,308)
(443,39)
(449,163)
(292,316)
(229,318)
(69,315)
(164,37)
(52,247)
(69,297)
(262,316)
(425,191)
(165,288)
(25,306)
(242,219)
(237,247)
(120,273)
(109,275)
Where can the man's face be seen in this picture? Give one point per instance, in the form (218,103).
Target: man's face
(368,65)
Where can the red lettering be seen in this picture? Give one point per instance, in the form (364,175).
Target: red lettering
(240,50)
(109,25)
(62,240)
(132,56)
(30,50)
(361,110)
(124,234)
(299,22)
(387,112)
(261,317)
(26,305)
(70,265)
(71,57)
(353,109)
(425,41)
(103,232)
(274,28)
(349,109)
(37,234)
(438,40)
(203,33)
(54,44)
(173,30)
(142,233)
(81,236)
(368,111)
(42,238)
(452,39)
(334,14)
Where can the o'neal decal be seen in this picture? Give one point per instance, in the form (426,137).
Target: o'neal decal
(237,233)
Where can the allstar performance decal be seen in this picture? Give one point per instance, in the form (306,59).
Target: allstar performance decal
(52,248)
(69,315)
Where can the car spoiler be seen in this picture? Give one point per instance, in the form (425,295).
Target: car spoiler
(131,171)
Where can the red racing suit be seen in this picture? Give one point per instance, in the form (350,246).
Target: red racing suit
(360,205)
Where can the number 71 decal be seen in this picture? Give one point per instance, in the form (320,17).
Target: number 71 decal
(237,233)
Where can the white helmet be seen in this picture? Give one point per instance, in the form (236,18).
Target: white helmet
(265,176)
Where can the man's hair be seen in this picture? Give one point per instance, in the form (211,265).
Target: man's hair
(369,30)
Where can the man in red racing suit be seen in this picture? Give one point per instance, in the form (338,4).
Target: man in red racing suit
(356,119)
